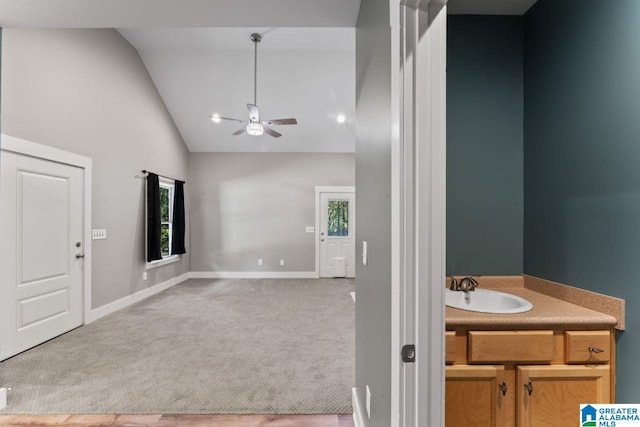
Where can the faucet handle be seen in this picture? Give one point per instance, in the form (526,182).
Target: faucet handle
(468,284)
(455,286)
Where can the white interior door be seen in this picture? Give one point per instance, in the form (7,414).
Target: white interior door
(41,250)
(337,234)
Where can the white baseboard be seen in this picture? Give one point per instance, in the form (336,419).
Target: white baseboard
(358,410)
(254,275)
(114,306)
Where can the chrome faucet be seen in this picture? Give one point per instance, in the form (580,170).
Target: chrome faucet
(466,284)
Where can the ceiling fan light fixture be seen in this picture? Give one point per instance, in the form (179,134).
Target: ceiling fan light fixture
(255,129)
(254,126)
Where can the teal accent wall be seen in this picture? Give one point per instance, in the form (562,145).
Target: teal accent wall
(484,145)
(582,156)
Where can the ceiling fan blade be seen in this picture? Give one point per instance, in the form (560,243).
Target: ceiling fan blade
(271,132)
(280,122)
(230,119)
(254,114)
(240,131)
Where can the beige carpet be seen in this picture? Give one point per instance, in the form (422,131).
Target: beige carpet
(204,346)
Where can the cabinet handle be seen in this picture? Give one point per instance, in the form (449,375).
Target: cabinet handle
(529,387)
(595,350)
(503,388)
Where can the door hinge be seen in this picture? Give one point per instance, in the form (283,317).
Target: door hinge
(409,353)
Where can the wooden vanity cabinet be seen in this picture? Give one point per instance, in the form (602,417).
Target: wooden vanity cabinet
(526,378)
(557,392)
(471,397)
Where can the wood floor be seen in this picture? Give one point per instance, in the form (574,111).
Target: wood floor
(177,420)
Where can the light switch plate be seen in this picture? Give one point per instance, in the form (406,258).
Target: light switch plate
(310,229)
(368,402)
(364,253)
(99,234)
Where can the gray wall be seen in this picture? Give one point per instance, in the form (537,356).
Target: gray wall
(373,208)
(582,156)
(88,92)
(256,205)
(484,145)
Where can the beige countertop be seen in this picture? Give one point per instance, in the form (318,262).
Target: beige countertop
(547,312)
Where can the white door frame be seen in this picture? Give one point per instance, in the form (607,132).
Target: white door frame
(326,189)
(28,148)
(418,210)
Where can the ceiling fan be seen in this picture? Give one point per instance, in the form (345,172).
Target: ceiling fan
(254,126)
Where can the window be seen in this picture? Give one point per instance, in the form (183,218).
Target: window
(338,218)
(160,227)
(166,216)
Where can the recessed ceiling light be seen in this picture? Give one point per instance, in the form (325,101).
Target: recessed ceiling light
(215,118)
(341,118)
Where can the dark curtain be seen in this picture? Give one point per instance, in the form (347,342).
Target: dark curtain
(177,238)
(154,248)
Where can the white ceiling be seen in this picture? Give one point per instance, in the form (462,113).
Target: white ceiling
(178,13)
(200,57)
(489,7)
(306,73)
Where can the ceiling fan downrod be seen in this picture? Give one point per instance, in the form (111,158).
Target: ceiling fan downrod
(255,38)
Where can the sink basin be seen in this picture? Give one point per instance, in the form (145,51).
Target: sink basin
(486,301)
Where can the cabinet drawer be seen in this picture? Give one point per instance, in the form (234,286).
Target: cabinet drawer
(450,346)
(587,346)
(510,346)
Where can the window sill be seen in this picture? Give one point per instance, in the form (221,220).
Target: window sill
(164,261)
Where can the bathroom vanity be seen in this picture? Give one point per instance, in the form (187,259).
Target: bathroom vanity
(529,369)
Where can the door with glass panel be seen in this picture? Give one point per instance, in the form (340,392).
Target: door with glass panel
(337,235)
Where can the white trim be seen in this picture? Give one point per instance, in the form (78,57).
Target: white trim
(3,397)
(418,245)
(21,146)
(397,200)
(328,189)
(164,261)
(358,411)
(114,306)
(253,275)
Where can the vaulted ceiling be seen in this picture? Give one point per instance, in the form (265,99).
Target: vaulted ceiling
(305,73)
(200,57)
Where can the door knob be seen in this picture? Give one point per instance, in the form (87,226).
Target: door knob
(80,255)
(322,240)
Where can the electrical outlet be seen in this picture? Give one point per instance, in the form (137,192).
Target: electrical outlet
(98,234)
(259,261)
(144,275)
(368,402)
(281,262)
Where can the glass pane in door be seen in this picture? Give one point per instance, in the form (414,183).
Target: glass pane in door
(338,218)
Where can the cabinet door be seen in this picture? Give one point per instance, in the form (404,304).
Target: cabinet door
(473,396)
(550,396)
